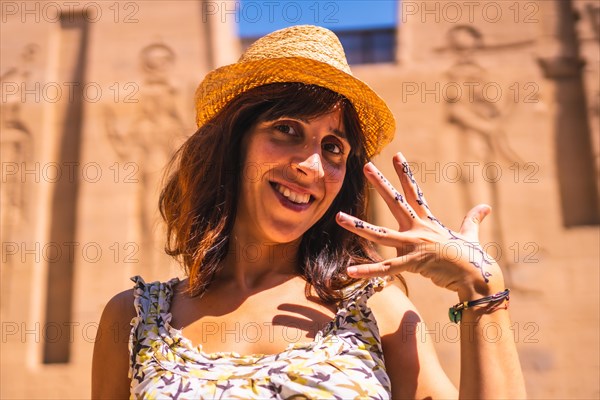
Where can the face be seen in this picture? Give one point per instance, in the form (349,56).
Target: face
(292,172)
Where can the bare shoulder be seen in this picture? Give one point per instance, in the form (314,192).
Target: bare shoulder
(120,308)
(110,364)
(116,317)
(392,308)
(410,358)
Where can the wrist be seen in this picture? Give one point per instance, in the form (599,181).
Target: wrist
(477,287)
(485,305)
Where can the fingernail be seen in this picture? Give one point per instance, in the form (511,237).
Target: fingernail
(343,216)
(351,270)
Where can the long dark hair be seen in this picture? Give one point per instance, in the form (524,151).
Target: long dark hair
(199,199)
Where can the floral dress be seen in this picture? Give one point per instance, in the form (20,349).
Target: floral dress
(344,361)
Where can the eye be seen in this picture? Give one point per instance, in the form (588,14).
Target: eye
(333,148)
(287,129)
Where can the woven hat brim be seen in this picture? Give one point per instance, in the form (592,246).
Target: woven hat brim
(223,84)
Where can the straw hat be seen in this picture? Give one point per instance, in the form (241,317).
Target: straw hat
(307,54)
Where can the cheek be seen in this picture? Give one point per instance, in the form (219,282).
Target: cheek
(263,156)
(257,163)
(334,180)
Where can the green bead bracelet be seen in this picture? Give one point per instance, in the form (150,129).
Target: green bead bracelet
(455,312)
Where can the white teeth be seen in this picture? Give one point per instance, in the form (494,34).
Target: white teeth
(293,196)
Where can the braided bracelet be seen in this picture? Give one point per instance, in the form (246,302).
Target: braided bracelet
(455,312)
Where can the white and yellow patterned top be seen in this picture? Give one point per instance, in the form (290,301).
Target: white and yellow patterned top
(344,361)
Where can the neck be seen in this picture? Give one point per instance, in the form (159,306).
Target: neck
(251,265)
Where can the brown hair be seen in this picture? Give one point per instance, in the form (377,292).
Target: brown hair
(199,200)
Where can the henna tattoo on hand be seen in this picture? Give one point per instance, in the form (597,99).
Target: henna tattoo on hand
(360,224)
(397,196)
(420,197)
(483,259)
(480,260)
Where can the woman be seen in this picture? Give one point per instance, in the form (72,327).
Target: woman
(265,208)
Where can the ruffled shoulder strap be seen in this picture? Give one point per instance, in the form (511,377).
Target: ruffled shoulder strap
(152,302)
(361,291)
(355,320)
(152,299)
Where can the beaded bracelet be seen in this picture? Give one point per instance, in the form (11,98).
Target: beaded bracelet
(455,312)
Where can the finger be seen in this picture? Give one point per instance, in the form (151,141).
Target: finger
(470,226)
(383,268)
(368,270)
(374,233)
(411,188)
(401,210)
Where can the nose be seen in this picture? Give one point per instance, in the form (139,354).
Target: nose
(311,166)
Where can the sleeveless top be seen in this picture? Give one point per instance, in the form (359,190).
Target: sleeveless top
(344,361)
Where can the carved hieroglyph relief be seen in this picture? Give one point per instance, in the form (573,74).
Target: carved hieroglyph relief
(149,143)
(17,143)
(589,42)
(16,149)
(482,138)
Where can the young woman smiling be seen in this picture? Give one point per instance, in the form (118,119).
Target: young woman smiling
(284,295)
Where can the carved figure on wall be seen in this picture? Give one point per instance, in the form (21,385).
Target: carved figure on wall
(16,148)
(592,15)
(588,22)
(150,141)
(16,142)
(482,138)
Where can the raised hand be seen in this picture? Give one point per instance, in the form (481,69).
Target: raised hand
(454,260)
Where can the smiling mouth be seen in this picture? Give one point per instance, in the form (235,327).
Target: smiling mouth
(294,197)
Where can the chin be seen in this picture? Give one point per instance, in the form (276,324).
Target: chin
(285,233)
(286,238)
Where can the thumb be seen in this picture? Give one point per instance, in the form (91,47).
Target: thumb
(470,225)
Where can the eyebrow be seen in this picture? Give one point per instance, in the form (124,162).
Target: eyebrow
(339,133)
(335,131)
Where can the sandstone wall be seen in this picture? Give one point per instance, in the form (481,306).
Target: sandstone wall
(496,102)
